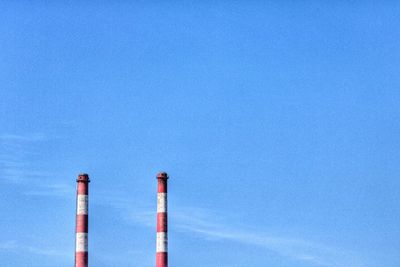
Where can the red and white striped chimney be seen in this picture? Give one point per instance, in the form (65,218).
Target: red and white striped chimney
(162,221)
(82,197)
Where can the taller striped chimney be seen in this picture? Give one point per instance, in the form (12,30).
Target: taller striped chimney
(82,197)
(162,221)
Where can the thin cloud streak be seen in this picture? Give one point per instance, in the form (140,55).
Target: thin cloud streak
(52,190)
(8,245)
(19,175)
(13,247)
(17,167)
(47,251)
(206,226)
(24,138)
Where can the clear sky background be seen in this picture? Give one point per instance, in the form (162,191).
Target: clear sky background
(277,121)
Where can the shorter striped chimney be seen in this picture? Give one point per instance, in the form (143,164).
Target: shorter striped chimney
(162,221)
(82,213)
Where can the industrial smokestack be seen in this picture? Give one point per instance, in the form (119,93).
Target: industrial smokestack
(82,197)
(162,221)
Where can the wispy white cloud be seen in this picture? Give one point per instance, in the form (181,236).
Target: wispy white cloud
(23,138)
(15,152)
(50,252)
(20,175)
(15,168)
(130,210)
(127,257)
(53,190)
(8,245)
(18,166)
(211,227)
(12,246)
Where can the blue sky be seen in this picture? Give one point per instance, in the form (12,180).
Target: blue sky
(278,123)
